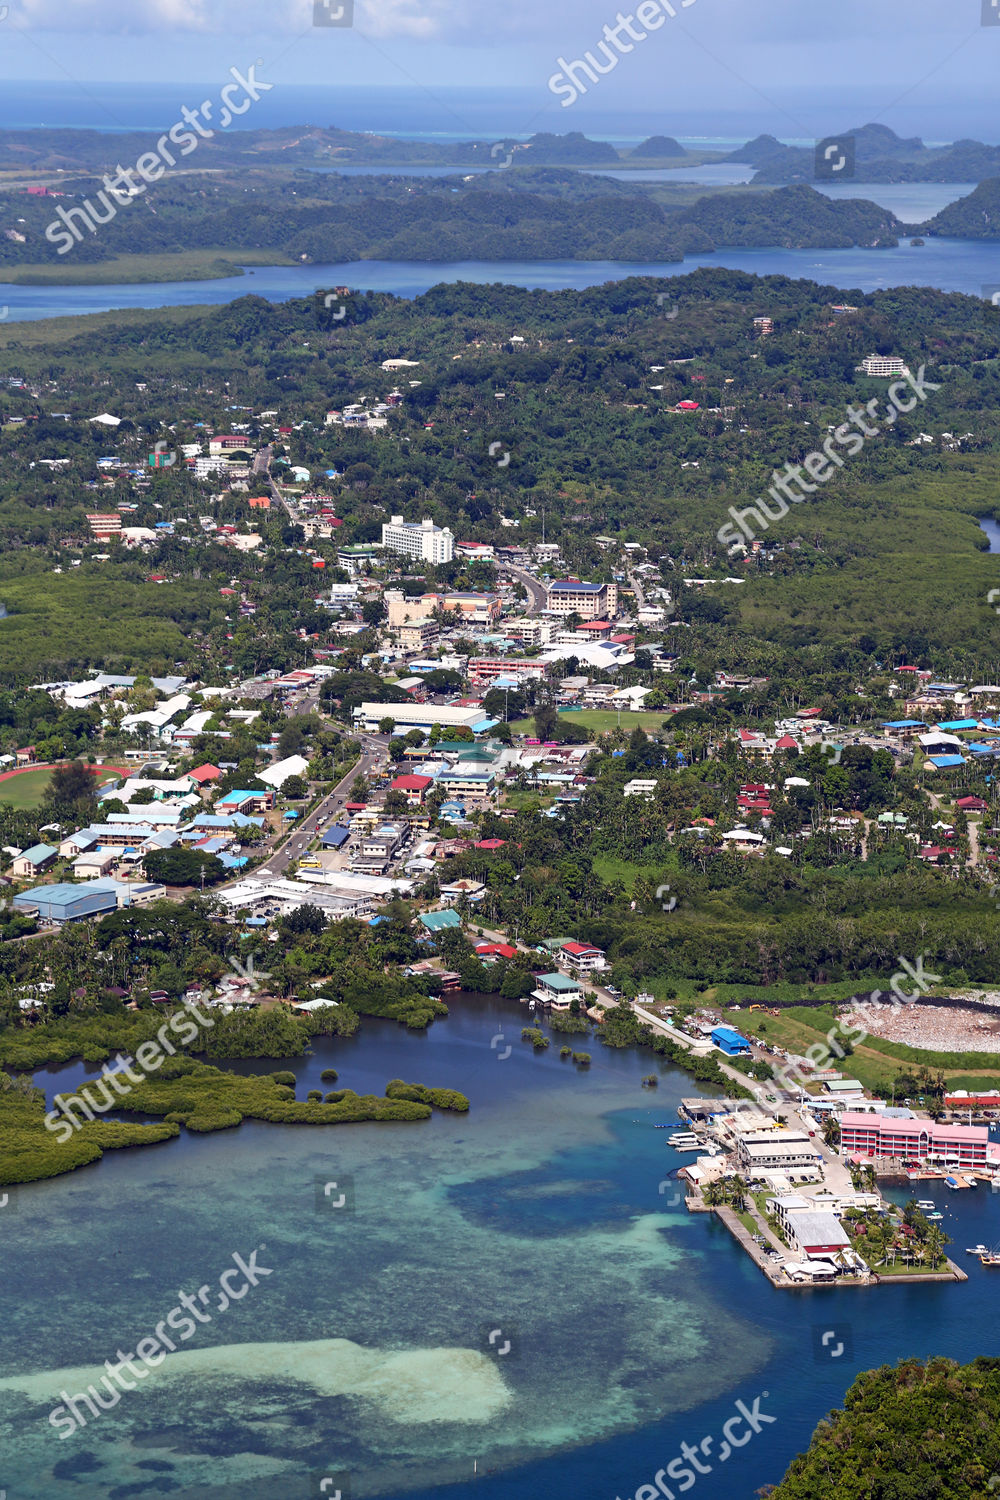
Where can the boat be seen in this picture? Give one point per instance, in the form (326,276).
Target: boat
(976,1250)
(685,1143)
(925,1203)
(952,1182)
(991,1259)
(932,1217)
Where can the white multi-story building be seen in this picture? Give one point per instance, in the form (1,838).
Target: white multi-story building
(423,540)
(883,364)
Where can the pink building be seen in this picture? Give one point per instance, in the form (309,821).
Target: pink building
(872,1135)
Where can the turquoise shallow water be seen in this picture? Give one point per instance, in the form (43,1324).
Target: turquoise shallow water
(545,1216)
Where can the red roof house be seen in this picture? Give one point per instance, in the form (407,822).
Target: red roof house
(414,787)
(204,774)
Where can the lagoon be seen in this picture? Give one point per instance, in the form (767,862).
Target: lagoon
(547,1212)
(949,265)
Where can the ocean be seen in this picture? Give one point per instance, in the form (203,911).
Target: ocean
(456,114)
(547,1218)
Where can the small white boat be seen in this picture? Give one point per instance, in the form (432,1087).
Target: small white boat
(925,1203)
(977,1250)
(932,1217)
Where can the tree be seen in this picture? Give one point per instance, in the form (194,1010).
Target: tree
(72,787)
(305,919)
(373,611)
(183,867)
(294,787)
(546,721)
(386,725)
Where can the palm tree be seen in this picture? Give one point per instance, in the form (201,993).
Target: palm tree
(934,1246)
(738,1192)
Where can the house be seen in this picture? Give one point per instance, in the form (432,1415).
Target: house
(453,812)
(471,890)
(490,952)
(204,775)
(640,787)
(556,990)
(95,864)
(582,956)
(26,757)
(33,861)
(414,788)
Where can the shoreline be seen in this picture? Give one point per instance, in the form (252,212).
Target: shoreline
(782,1282)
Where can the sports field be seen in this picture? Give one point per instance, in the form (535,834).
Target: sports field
(25,790)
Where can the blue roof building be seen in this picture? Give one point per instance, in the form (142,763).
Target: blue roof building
(730,1042)
(335,837)
(68,903)
(436,921)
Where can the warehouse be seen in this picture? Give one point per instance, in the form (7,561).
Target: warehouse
(421,716)
(730,1042)
(92,898)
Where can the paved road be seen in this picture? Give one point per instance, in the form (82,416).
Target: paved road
(537,594)
(373,750)
(640,597)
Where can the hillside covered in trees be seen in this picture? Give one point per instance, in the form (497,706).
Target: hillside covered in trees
(534,212)
(909,1433)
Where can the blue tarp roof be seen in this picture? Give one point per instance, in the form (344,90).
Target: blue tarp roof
(944,762)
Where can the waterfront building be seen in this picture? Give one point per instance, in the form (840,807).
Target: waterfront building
(878,1136)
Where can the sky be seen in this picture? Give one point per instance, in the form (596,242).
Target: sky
(806,67)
